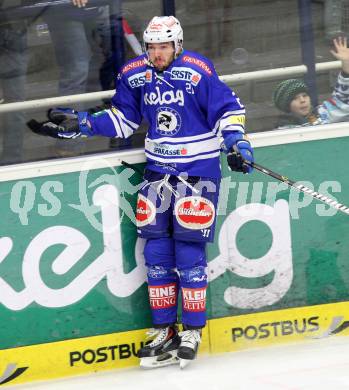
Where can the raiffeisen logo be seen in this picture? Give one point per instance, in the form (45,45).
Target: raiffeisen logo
(11,373)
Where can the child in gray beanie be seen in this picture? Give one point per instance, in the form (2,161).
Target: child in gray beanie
(292,97)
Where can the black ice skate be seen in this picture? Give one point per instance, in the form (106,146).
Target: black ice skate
(190,340)
(162,351)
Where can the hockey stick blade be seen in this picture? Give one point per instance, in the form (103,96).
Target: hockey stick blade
(300,187)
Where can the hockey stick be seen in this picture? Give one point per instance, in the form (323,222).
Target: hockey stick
(126,164)
(300,187)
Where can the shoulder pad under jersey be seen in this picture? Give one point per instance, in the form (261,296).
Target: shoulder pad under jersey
(135,65)
(198,62)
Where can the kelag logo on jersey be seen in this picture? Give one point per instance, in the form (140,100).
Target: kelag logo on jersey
(195,212)
(167,97)
(168,121)
(185,74)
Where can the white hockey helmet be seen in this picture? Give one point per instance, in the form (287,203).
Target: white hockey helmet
(163,29)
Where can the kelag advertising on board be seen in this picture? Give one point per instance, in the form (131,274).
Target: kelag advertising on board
(71,265)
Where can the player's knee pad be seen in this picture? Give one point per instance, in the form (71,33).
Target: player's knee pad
(159,252)
(193,277)
(159,273)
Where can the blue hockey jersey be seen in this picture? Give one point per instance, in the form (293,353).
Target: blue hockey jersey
(188,110)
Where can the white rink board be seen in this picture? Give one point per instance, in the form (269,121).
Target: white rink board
(313,365)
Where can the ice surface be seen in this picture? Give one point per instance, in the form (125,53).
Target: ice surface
(312,365)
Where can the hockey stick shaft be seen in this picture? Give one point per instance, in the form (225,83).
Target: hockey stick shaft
(300,187)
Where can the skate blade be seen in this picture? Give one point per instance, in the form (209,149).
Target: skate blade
(183,363)
(163,360)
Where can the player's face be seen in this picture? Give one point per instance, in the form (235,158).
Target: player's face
(301,104)
(161,54)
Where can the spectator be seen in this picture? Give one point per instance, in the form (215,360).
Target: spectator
(13,69)
(292,97)
(72,30)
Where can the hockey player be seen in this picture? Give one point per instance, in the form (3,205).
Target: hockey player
(192,115)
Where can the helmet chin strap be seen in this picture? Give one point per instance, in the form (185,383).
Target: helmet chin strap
(179,52)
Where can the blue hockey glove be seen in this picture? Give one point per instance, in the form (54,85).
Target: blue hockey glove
(64,123)
(239,151)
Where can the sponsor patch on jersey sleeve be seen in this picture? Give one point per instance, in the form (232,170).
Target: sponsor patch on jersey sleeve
(200,63)
(133,65)
(195,212)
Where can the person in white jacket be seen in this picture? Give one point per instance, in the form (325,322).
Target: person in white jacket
(292,97)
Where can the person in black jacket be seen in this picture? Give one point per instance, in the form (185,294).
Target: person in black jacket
(72,29)
(13,69)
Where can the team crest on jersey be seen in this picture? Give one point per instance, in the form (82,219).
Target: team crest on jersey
(168,121)
(145,211)
(195,212)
